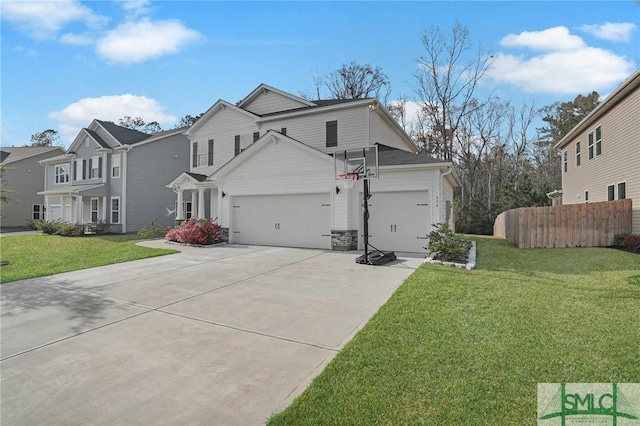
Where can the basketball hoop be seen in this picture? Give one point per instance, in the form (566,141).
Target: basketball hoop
(348,179)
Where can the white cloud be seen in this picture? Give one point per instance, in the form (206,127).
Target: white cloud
(136,7)
(108,108)
(611,31)
(551,39)
(43,19)
(135,42)
(571,73)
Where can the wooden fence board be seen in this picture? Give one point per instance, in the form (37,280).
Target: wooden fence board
(569,225)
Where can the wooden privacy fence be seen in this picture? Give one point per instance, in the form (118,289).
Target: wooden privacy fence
(569,225)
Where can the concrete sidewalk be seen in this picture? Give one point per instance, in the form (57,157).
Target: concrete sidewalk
(223,336)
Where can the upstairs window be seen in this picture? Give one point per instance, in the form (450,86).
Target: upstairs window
(62,174)
(95,167)
(622,191)
(115,166)
(80,169)
(591,146)
(236,146)
(611,193)
(598,140)
(332,134)
(564,161)
(577,153)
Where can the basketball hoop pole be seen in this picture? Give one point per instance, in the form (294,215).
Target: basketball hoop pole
(366,220)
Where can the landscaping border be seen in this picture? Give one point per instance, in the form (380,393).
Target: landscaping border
(471,260)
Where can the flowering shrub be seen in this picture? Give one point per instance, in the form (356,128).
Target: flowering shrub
(192,231)
(629,241)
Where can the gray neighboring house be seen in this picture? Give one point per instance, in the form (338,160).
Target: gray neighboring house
(115,174)
(23,178)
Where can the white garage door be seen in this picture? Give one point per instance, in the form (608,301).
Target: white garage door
(399,221)
(301,220)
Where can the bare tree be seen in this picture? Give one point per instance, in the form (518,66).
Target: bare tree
(47,137)
(188,120)
(139,124)
(447,80)
(352,81)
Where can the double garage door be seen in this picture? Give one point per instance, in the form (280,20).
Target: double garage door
(300,220)
(399,221)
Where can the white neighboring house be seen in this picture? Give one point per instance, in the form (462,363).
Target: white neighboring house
(264,170)
(114,174)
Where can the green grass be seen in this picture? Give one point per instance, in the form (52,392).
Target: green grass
(462,347)
(33,256)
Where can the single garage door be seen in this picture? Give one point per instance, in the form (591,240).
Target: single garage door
(301,220)
(399,221)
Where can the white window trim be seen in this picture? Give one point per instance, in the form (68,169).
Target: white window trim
(57,175)
(79,167)
(91,210)
(95,165)
(114,165)
(40,213)
(595,141)
(119,210)
(614,191)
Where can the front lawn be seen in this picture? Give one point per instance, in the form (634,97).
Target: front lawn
(469,347)
(31,256)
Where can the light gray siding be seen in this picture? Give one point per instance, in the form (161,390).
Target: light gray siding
(50,172)
(619,161)
(150,167)
(268,101)
(24,179)
(383,133)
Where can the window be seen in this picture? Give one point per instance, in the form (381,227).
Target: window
(256,136)
(622,190)
(598,140)
(79,170)
(62,174)
(38,212)
(194,163)
(577,153)
(332,133)
(95,167)
(610,193)
(586,196)
(564,161)
(591,146)
(115,209)
(210,153)
(236,149)
(95,216)
(448,210)
(187,210)
(115,166)
(283,130)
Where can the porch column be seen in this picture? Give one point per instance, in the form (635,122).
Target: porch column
(194,204)
(179,209)
(104,207)
(200,203)
(74,209)
(63,201)
(46,206)
(79,218)
(212,197)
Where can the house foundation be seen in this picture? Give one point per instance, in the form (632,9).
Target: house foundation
(344,240)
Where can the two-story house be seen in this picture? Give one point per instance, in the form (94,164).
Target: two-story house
(601,154)
(23,178)
(264,168)
(115,174)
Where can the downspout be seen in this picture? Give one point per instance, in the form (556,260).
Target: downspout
(448,172)
(123,199)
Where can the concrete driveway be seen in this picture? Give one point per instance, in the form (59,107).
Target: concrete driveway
(210,336)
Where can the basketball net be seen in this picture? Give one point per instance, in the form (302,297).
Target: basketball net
(348,179)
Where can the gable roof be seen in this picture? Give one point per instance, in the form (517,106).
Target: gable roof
(219,105)
(10,155)
(123,135)
(265,87)
(389,156)
(628,86)
(97,138)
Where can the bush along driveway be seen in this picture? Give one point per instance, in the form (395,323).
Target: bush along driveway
(469,347)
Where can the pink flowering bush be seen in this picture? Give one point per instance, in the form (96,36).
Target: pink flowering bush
(192,231)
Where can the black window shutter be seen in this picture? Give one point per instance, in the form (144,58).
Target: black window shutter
(256,136)
(195,154)
(99,167)
(84,169)
(75,170)
(90,168)
(210,153)
(283,130)
(237,145)
(332,133)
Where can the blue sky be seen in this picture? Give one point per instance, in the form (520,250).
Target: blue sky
(65,62)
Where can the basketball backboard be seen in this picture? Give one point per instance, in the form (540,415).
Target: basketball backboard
(363,161)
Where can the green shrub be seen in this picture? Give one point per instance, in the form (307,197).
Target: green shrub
(100,227)
(445,246)
(48,226)
(70,229)
(33,224)
(154,230)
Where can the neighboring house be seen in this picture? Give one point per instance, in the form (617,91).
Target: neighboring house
(117,175)
(601,154)
(23,179)
(264,170)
